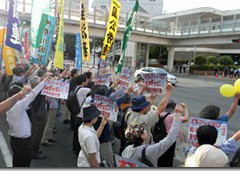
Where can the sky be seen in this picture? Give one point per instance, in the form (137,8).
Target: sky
(180,5)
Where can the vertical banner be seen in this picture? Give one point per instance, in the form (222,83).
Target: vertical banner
(26,44)
(84,33)
(9,59)
(59,54)
(126,36)
(13,30)
(46,32)
(7,54)
(112,27)
(38,7)
(78,57)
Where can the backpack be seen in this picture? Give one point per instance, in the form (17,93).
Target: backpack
(72,102)
(144,159)
(236,159)
(159,131)
(120,125)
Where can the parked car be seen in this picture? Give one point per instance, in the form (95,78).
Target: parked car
(170,78)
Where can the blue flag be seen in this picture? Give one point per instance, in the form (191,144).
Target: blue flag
(78,57)
(13,29)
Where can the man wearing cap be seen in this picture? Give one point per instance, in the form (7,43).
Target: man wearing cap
(141,110)
(89,155)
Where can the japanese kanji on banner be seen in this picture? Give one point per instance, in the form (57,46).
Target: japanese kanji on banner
(194,123)
(8,54)
(107,107)
(38,8)
(156,82)
(124,162)
(13,30)
(103,79)
(126,77)
(112,27)
(46,32)
(9,59)
(57,89)
(26,44)
(84,32)
(59,54)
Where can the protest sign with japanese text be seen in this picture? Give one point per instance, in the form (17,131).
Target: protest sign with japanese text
(125,77)
(125,162)
(194,123)
(156,82)
(9,59)
(56,88)
(112,27)
(103,66)
(103,79)
(107,107)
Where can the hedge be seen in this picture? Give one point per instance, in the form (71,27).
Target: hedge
(210,67)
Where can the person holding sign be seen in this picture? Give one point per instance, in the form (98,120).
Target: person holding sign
(141,110)
(20,125)
(137,136)
(89,155)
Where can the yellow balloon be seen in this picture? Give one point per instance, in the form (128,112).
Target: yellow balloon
(227,90)
(237,85)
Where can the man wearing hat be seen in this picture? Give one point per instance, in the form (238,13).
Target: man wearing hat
(141,110)
(89,155)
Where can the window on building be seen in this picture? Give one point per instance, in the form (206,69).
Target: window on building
(103,7)
(152,0)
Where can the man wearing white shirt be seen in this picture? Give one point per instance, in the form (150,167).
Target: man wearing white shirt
(81,96)
(20,125)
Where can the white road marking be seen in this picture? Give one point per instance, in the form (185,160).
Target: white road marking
(5,151)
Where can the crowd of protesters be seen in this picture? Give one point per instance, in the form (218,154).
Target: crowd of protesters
(31,118)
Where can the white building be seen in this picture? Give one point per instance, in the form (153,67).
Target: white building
(151,7)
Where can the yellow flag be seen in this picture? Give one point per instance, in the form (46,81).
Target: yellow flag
(9,59)
(84,32)
(8,54)
(111,27)
(59,54)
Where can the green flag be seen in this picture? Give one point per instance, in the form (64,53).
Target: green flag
(126,36)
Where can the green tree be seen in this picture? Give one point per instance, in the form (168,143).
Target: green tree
(213,60)
(200,60)
(226,60)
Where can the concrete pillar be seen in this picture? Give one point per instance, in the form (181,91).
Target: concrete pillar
(147,55)
(170,59)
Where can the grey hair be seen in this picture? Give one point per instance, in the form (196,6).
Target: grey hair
(34,80)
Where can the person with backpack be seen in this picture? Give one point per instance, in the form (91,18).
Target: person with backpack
(163,126)
(81,93)
(139,147)
(141,110)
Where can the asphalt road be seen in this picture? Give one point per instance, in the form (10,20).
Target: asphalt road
(195,91)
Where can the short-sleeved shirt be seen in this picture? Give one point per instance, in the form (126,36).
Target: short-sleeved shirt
(89,144)
(150,119)
(223,118)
